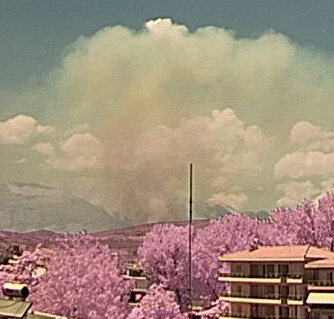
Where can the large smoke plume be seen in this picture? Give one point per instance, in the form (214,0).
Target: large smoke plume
(147,173)
(149,96)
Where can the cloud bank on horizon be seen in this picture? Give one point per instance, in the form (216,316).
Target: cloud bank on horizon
(137,107)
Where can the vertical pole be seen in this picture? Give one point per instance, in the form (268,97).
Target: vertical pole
(190,234)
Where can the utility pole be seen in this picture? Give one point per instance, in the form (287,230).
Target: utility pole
(190,235)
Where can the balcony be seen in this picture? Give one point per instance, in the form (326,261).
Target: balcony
(269,299)
(251,280)
(295,300)
(270,278)
(248,275)
(317,283)
(294,278)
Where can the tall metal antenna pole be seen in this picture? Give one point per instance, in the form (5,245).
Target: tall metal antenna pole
(190,235)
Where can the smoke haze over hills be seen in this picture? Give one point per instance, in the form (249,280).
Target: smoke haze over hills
(26,207)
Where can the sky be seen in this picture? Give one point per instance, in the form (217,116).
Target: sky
(111,100)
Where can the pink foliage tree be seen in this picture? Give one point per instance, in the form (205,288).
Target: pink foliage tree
(25,268)
(231,232)
(308,223)
(158,304)
(164,255)
(84,280)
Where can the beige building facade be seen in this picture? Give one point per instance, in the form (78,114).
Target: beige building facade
(279,282)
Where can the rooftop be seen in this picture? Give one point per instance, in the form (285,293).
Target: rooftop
(280,253)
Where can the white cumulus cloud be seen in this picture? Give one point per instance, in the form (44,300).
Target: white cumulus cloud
(165,26)
(308,170)
(312,138)
(299,164)
(303,131)
(80,128)
(44,148)
(21,128)
(295,191)
(236,201)
(79,151)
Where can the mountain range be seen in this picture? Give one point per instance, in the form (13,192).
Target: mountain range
(29,206)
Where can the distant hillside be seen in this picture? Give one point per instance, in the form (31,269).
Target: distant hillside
(124,241)
(210,212)
(33,213)
(25,207)
(127,240)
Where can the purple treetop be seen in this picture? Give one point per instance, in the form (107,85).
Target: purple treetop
(164,256)
(84,281)
(283,226)
(326,221)
(28,268)
(230,233)
(158,303)
(307,224)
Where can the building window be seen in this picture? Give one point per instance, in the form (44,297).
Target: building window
(255,271)
(269,311)
(284,312)
(312,276)
(239,310)
(254,310)
(284,291)
(283,270)
(270,291)
(270,271)
(255,291)
(330,278)
(239,290)
(238,269)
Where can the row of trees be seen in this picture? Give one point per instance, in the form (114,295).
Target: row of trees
(84,277)
(84,280)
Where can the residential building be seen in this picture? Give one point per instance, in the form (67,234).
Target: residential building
(279,282)
(135,272)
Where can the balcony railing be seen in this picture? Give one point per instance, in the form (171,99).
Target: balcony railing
(267,275)
(320,282)
(272,296)
(243,295)
(294,297)
(247,275)
(141,284)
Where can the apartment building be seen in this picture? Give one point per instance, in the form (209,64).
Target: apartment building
(135,272)
(279,282)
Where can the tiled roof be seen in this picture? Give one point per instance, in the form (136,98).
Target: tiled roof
(322,263)
(279,253)
(316,253)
